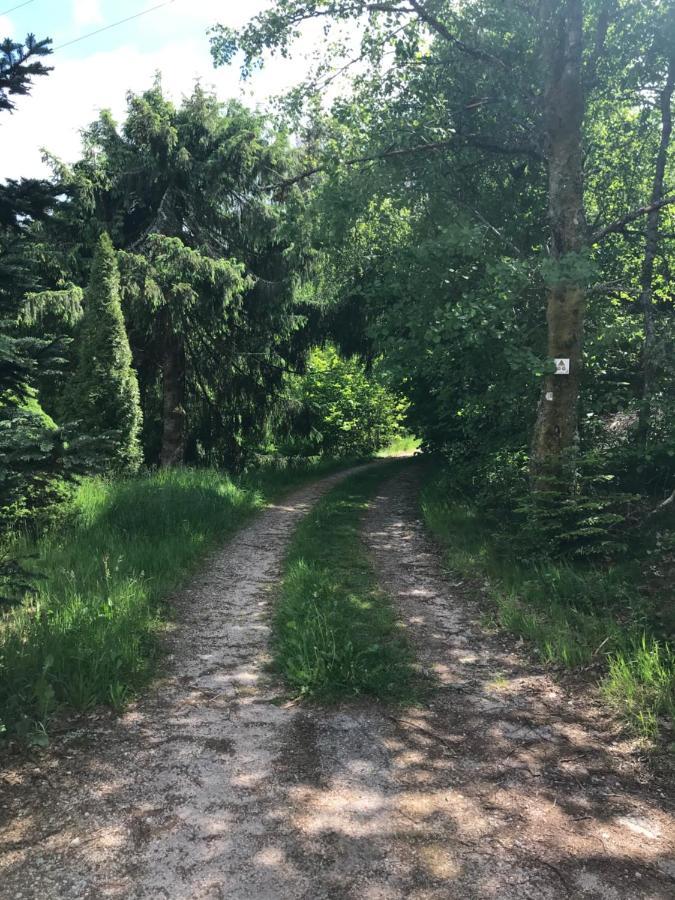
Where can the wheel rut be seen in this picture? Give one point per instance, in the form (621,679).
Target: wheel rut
(501,786)
(177,798)
(515,785)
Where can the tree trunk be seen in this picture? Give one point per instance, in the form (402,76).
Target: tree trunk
(173,399)
(556,429)
(651,250)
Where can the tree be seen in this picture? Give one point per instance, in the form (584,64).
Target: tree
(21,203)
(557,425)
(211,270)
(502,87)
(652,238)
(19,65)
(34,457)
(103,396)
(185,304)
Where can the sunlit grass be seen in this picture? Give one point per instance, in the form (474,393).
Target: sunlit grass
(641,683)
(90,634)
(403,444)
(335,632)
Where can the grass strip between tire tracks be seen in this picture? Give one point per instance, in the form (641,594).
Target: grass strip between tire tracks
(335,632)
(90,635)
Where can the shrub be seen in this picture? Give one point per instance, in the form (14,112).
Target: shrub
(103,396)
(343,410)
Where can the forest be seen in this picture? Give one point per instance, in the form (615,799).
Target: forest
(349,412)
(453,238)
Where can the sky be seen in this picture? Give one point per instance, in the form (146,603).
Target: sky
(96,73)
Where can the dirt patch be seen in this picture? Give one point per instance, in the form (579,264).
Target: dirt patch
(505,786)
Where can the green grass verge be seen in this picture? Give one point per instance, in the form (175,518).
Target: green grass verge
(335,632)
(405,443)
(90,634)
(575,614)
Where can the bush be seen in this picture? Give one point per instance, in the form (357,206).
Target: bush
(595,520)
(342,410)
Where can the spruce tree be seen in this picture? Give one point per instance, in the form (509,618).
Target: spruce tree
(19,64)
(104,396)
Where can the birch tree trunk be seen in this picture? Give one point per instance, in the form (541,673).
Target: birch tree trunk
(556,429)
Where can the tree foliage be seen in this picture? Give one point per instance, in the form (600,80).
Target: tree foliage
(103,396)
(36,456)
(450,219)
(20,63)
(211,266)
(340,409)
(491,190)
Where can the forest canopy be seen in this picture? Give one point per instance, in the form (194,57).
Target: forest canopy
(487,194)
(492,195)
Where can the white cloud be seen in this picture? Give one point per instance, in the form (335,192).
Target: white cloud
(87,12)
(6,28)
(213,11)
(72,96)
(79,87)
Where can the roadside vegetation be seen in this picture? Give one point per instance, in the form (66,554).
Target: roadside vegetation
(613,616)
(88,632)
(335,632)
(338,407)
(209,286)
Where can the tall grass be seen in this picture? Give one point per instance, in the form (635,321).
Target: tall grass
(90,633)
(335,632)
(574,613)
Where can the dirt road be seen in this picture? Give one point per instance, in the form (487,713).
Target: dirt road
(515,787)
(214,787)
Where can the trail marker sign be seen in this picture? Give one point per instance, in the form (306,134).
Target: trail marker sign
(562,366)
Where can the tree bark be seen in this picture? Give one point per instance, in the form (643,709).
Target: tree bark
(556,428)
(173,396)
(651,250)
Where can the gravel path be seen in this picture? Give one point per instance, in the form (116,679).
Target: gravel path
(515,787)
(214,787)
(179,798)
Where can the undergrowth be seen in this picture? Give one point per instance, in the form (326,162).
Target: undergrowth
(89,633)
(576,613)
(335,632)
(404,443)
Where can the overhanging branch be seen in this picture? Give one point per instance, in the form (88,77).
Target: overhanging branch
(441,29)
(357,160)
(619,224)
(393,153)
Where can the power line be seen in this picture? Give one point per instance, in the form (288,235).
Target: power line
(113,24)
(20,6)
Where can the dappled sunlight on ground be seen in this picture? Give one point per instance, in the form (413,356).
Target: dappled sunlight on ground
(502,786)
